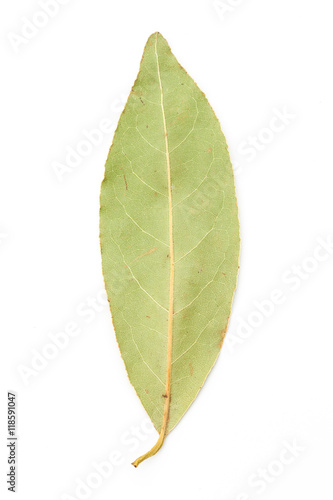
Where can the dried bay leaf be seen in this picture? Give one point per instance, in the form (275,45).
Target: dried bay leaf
(169,236)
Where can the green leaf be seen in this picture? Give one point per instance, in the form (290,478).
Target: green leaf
(169,237)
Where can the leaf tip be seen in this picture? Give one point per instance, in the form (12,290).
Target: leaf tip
(156,36)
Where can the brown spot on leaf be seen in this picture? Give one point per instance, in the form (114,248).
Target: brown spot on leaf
(144,254)
(125,179)
(178,119)
(222,335)
(191,369)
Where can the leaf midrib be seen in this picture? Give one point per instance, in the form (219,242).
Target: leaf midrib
(167,394)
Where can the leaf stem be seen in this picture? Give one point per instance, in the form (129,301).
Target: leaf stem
(160,441)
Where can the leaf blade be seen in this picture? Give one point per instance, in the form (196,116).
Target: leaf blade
(168,170)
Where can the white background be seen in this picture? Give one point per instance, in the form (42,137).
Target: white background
(272,389)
